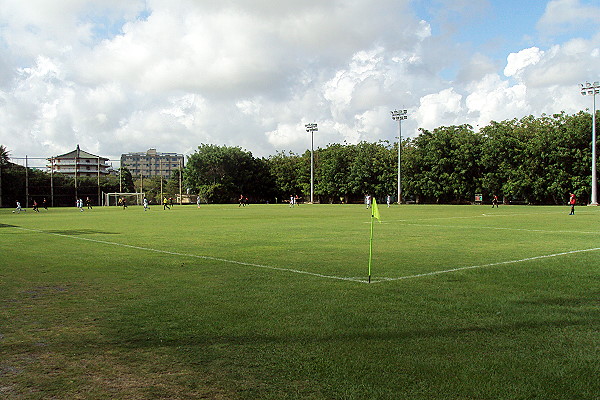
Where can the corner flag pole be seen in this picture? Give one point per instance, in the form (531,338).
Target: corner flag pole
(374,214)
(371,247)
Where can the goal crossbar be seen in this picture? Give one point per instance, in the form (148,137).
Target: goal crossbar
(115,198)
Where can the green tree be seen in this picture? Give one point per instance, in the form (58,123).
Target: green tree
(372,170)
(286,173)
(444,165)
(332,176)
(537,160)
(220,174)
(151,186)
(127,185)
(171,188)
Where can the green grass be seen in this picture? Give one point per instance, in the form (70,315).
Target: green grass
(210,303)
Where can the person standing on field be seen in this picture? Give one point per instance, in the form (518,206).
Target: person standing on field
(145,204)
(572,202)
(495,201)
(166,204)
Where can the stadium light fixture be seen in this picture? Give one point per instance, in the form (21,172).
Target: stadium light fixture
(592,89)
(312,128)
(399,115)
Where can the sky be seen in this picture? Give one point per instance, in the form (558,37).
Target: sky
(118,76)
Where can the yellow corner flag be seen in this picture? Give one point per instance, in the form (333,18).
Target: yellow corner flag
(375,210)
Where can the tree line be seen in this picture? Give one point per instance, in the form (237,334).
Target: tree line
(532,160)
(529,160)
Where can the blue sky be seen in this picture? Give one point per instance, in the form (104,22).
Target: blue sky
(497,28)
(116,77)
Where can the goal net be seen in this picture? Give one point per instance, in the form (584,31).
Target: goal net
(117,199)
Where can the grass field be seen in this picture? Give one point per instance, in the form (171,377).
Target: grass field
(268,302)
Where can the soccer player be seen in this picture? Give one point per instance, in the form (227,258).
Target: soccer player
(79,204)
(388,200)
(88,203)
(572,202)
(18,209)
(495,201)
(145,204)
(166,204)
(45,204)
(35,206)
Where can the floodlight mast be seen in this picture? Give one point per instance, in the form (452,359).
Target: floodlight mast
(592,89)
(312,128)
(399,115)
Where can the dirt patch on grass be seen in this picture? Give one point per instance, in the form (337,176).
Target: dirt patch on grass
(105,373)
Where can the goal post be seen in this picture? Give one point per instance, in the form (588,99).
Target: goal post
(115,199)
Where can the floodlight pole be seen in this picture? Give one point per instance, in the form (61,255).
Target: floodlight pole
(312,128)
(593,89)
(161,178)
(27,183)
(399,116)
(99,199)
(180,173)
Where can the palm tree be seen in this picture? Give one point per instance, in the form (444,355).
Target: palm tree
(3,161)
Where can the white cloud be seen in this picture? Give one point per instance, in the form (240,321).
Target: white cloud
(442,108)
(493,99)
(567,16)
(517,62)
(476,68)
(118,76)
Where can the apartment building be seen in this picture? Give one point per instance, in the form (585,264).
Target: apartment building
(152,163)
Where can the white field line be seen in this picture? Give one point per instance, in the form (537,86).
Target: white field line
(498,228)
(486,265)
(296,271)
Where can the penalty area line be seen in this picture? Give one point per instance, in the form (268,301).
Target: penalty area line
(223,260)
(447,271)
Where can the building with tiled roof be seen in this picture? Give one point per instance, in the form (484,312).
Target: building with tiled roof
(80,163)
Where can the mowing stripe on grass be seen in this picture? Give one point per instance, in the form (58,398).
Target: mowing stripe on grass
(296,271)
(484,215)
(486,265)
(498,228)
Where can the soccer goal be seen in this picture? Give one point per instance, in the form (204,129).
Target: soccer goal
(117,199)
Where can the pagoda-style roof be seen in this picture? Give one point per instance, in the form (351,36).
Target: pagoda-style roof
(78,153)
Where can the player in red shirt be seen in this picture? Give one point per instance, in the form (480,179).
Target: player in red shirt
(572,202)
